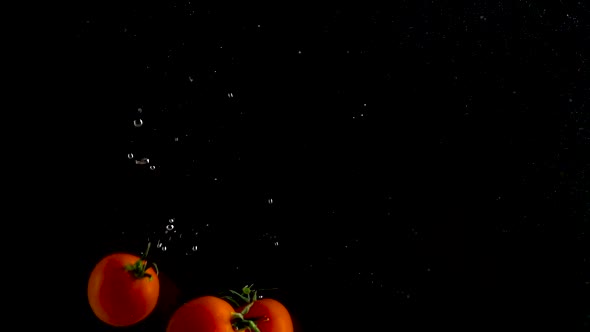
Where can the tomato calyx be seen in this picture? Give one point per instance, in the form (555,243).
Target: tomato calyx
(248,297)
(138,268)
(239,323)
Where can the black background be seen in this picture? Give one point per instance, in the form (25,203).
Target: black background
(420,167)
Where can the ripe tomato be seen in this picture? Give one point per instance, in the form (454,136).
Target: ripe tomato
(203,314)
(120,292)
(269,315)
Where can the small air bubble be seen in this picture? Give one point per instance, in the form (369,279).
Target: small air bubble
(169,227)
(194,248)
(130,156)
(171,220)
(276,244)
(164,248)
(270,201)
(138,123)
(152,167)
(159,245)
(230,95)
(139,110)
(175,139)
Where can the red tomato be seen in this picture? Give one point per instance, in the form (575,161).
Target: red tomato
(270,316)
(117,296)
(203,314)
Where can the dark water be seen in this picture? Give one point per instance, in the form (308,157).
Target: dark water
(421,167)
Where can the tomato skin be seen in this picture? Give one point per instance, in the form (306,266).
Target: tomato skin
(203,314)
(272,316)
(116,296)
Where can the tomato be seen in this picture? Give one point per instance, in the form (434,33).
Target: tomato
(269,315)
(203,314)
(121,291)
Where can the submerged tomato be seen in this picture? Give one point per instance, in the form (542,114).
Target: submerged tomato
(117,294)
(269,315)
(203,314)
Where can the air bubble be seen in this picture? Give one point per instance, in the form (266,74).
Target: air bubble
(137,123)
(171,220)
(194,248)
(169,227)
(139,110)
(230,95)
(164,248)
(159,245)
(152,167)
(270,201)
(276,244)
(142,161)
(130,156)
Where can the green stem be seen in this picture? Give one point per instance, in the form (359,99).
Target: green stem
(147,250)
(141,265)
(240,323)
